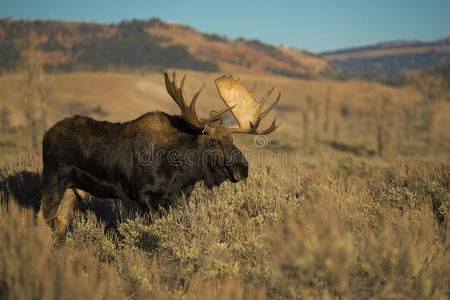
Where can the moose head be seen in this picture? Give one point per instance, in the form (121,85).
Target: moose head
(226,160)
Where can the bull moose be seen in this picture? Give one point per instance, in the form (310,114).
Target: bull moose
(104,159)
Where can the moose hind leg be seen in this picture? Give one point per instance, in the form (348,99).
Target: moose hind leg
(52,193)
(69,202)
(51,197)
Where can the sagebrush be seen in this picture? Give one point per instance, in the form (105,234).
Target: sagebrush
(296,231)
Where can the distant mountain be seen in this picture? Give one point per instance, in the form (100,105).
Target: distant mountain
(392,59)
(150,44)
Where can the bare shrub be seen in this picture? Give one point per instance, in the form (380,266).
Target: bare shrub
(36,91)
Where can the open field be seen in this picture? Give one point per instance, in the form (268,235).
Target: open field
(332,111)
(362,213)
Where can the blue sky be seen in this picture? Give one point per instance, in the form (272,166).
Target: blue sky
(312,25)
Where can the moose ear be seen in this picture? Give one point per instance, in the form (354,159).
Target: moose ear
(219,119)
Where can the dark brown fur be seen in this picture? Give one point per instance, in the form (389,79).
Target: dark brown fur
(118,160)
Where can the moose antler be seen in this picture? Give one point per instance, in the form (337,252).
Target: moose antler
(245,109)
(188,111)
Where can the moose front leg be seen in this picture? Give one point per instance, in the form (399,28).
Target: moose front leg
(158,202)
(147,203)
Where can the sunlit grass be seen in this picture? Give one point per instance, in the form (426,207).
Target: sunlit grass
(288,232)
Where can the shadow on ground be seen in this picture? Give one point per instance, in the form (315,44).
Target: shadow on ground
(25,188)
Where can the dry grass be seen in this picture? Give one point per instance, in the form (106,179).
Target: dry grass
(286,233)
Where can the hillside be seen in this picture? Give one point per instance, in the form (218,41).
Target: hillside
(149,44)
(393,59)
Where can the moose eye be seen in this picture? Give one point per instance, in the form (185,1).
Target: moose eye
(213,142)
